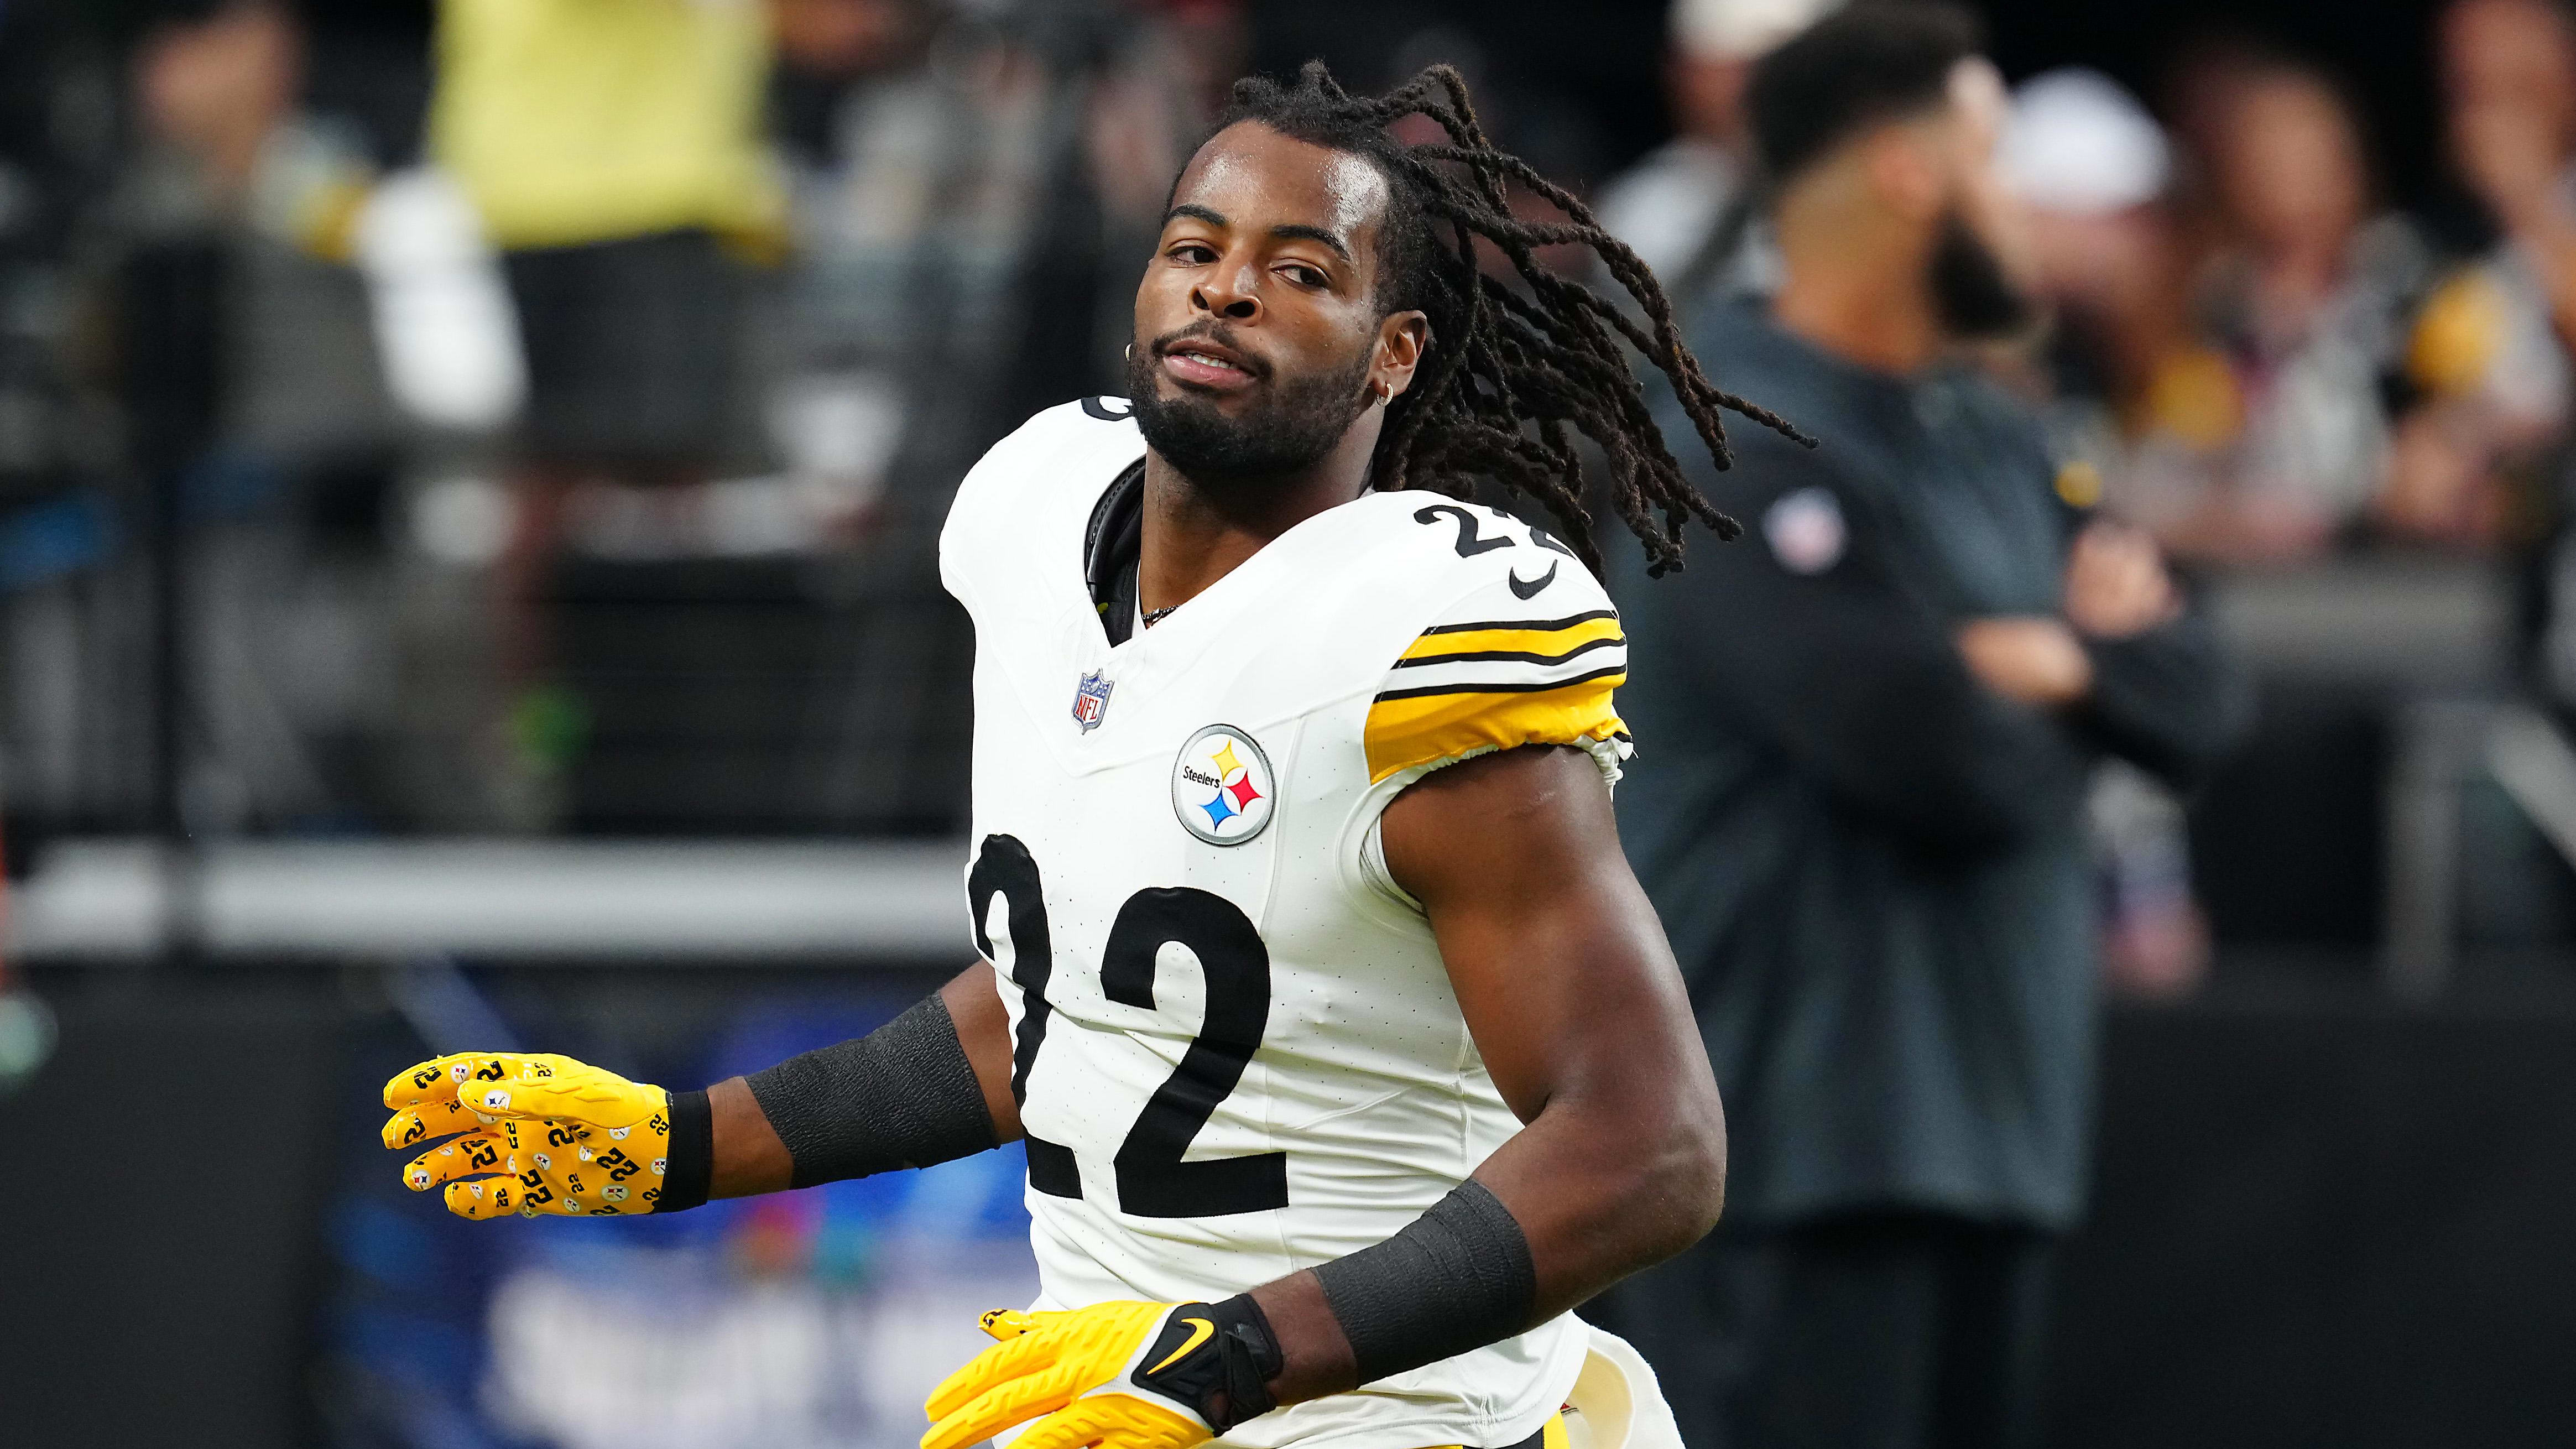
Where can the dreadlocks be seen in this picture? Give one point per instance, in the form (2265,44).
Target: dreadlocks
(1504,366)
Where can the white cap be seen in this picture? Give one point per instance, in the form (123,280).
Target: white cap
(2080,145)
(1742,29)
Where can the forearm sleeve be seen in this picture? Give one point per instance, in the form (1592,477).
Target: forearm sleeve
(691,1150)
(1457,1278)
(904,1095)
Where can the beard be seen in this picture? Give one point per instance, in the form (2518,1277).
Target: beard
(1287,426)
(1974,296)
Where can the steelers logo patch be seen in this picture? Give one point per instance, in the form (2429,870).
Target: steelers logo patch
(1222,788)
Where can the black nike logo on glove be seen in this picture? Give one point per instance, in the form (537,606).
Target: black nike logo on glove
(1530,590)
(1201,1330)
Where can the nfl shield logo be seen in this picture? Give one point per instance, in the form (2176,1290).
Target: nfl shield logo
(1090,701)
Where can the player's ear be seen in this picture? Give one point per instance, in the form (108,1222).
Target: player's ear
(1402,338)
(1903,162)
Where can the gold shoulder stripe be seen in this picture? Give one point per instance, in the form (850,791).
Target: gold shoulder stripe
(1408,727)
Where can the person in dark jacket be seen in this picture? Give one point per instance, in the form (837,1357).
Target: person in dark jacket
(1867,730)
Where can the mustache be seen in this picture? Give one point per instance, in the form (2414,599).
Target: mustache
(1222,336)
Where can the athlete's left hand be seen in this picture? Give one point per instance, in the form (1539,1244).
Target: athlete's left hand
(547,1134)
(1118,1375)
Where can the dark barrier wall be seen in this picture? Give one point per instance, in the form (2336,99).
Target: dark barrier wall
(159,1218)
(2327,1226)
(2318,1223)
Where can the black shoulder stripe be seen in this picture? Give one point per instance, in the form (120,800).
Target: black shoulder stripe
(1516,656)
(1514,688)
(1539,624)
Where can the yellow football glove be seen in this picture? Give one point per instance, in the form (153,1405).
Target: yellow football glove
(1117,1375)
(548,1135)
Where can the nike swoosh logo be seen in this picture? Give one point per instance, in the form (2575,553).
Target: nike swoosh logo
(1530,590)
(1200,1331)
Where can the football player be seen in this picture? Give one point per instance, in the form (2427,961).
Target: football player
(1347,1053)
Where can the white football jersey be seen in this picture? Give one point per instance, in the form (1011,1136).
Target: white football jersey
(1236,1047)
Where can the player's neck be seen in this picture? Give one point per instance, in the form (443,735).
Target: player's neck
(1196,534)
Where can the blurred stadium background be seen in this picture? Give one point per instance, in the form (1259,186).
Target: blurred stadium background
(312,765)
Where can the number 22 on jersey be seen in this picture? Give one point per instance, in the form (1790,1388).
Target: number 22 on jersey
(1153,1181)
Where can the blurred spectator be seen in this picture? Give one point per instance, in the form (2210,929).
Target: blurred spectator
(1686,209)
(2486,361)
(1874,873)
(2290,446)
(2127,372)
(278,497)
(909,184)
(2493,347)
(966,185)
(213,92)
(615,155)
(231,153)
(2509,79)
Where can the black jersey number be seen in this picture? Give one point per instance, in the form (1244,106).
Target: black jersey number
(1153,1181)
(1470,543)
(1005,867)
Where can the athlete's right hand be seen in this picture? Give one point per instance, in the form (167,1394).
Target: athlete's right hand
(1117,1375)
(546,1134)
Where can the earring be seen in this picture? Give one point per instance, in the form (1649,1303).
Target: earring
(1131,352)
(1385,392)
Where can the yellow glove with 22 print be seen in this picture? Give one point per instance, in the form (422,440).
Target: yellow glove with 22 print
(547,1134)
(1118,1375)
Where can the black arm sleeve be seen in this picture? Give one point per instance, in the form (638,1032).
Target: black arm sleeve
(1854,675)
(904,1095)
(2169,701)
(1457,1278)
(691,1158)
